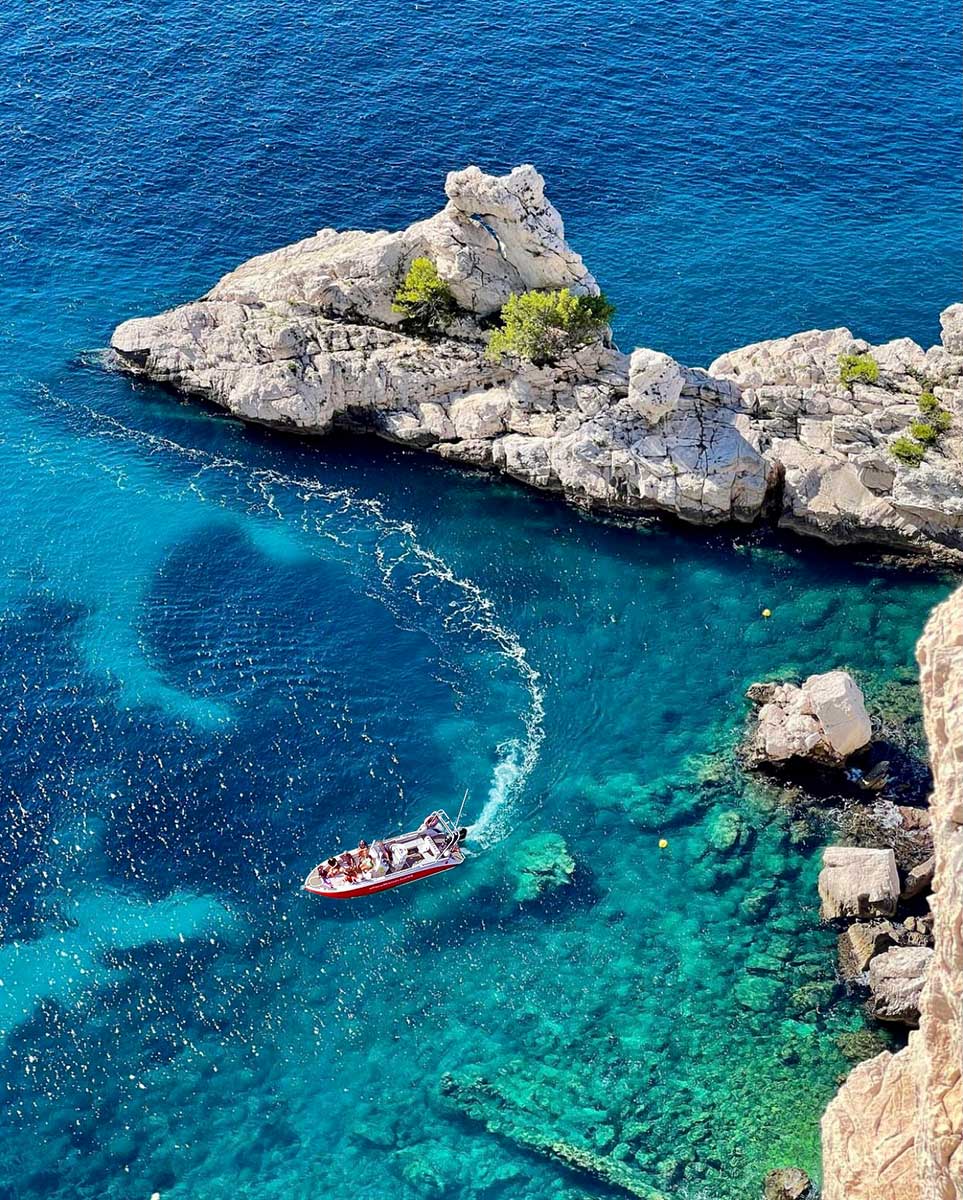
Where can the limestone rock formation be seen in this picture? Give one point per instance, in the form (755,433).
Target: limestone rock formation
(856,882)
(894,1130)
(304,337)
(896,982)
(824,720)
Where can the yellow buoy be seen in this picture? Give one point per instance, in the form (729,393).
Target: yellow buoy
(662,843)
(767,612)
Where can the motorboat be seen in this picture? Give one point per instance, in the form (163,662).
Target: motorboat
(433,847)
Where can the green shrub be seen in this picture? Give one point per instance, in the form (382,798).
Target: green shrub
(424,299)
(941,420)
(908,452)
(543,326)
(924,433)
(858,368)
(928,403)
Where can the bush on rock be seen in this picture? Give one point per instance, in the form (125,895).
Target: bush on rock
(424,299)
(858,368)
(907,451)
(924,432)
(911,450)
(544,326)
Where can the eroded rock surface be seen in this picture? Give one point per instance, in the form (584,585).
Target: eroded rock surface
(304,337)
(894,1130)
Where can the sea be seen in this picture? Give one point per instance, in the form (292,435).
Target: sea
(225,653)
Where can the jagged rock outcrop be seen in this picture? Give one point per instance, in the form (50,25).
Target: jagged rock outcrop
(894,1130)
(823,720)
(858,882)
(305,337)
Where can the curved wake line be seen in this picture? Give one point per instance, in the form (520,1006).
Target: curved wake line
(403,564)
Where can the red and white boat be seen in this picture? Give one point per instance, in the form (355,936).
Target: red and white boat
(433,847)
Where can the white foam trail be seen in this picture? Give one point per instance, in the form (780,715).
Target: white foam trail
(404,565)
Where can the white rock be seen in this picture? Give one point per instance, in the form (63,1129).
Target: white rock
(837,704)
(655,384)
(528,228)
(951,325)
(857,882)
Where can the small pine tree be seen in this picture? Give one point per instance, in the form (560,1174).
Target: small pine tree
(907,451)
(544,326)
(858,368)
(424,299)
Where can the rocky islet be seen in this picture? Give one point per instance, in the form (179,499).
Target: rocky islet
(306,338)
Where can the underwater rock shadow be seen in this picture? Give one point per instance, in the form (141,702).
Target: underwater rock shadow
(533,1147)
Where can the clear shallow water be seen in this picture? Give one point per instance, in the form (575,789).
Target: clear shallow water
(221,651)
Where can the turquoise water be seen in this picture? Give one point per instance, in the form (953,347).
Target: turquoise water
(223,652)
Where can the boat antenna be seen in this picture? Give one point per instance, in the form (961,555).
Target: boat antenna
(461,810)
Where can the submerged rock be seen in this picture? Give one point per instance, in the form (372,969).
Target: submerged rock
(787,1183)
(540,864)
(306,337)
(860,1044)
(856,882)
(824,720)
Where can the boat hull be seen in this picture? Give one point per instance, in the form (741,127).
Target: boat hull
(433,847)
(367,887)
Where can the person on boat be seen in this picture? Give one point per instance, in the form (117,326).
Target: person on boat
(363,860)
(382,859)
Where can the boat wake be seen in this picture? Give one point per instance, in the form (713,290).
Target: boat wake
(396,568)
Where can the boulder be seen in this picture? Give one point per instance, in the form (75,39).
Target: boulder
(824,720)
(787,1183)
(527,228)
(857,882)
(837,704)
(655,384)
(860,943)
(918,879)
(896,981)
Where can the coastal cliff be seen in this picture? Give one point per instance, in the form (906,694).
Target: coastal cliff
(306,337)
(893,1132)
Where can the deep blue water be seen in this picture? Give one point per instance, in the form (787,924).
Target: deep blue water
(222,651)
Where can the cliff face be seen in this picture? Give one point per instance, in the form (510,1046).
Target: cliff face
(306,337)
(893,1132)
